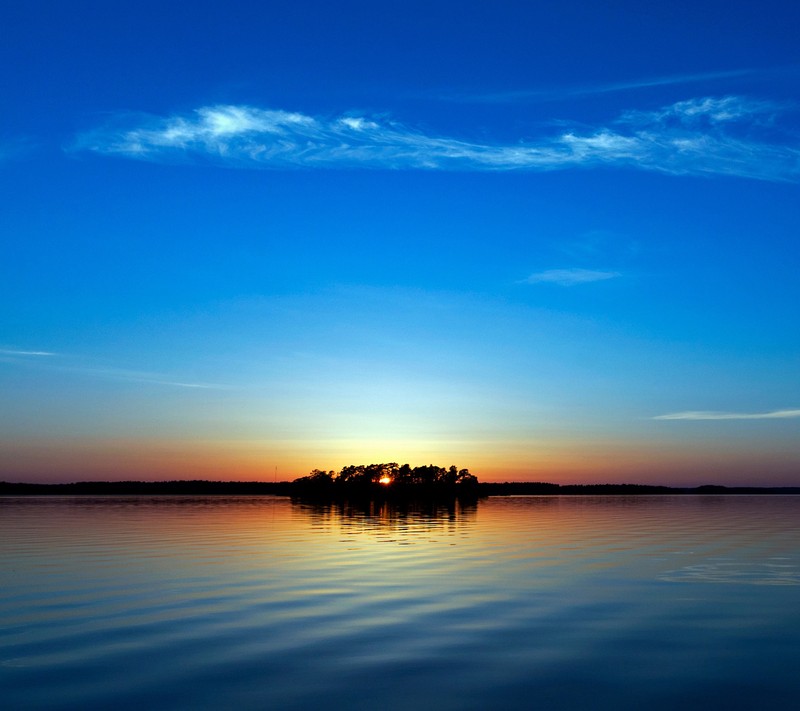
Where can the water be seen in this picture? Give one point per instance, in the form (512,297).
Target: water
(516,603)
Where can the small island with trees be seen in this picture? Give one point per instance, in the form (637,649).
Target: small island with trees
(388,481)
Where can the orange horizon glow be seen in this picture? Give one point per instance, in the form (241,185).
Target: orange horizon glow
(70,460)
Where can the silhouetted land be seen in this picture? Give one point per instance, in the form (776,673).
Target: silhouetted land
(388,481)
(149,488)
(285,488)
(543,489)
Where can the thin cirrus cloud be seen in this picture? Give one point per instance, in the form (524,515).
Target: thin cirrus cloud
(569,277)
(532,95)
(147,378)
(137,376)
(710,415)
(707,136)
(17,353)
(11,355)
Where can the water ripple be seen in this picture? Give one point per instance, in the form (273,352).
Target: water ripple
(258,603)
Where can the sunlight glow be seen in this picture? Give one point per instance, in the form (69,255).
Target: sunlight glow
(385,480)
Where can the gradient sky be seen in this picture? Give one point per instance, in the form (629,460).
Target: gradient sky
(544,241)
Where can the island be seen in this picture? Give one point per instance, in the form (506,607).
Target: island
(388,481)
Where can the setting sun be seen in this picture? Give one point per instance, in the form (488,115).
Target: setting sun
(385,480)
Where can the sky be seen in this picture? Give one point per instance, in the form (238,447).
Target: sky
(543,241)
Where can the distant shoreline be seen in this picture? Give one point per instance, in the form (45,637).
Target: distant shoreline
(288,489)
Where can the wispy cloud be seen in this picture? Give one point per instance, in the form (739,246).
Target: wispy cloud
(12,352)
(557,94)
(723,136)
(699,113)
(569,277)
(137,376)
(201,386)
(80,366)
(710,415)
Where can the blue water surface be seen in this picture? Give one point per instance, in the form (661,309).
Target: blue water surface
(514,603)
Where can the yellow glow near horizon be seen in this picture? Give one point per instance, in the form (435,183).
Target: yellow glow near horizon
(385,480)
(558,461)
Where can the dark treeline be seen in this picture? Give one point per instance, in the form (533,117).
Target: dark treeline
(388,480)
(149,488)
(363,477)
(545,489)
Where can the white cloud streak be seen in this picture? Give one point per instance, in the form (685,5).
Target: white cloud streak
(707,136)
(710,415)
(138,376)
(144,377)
(534,95)
(30,357)
(11,352)
(569,277)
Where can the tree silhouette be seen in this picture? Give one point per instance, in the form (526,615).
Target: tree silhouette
(388,479)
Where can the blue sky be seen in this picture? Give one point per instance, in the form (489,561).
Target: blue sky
(543,241)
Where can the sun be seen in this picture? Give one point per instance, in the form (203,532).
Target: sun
(385,480)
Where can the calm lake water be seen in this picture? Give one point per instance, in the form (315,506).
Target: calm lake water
(516,603)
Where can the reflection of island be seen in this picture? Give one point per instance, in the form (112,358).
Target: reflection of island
(388,481)
(395,518)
